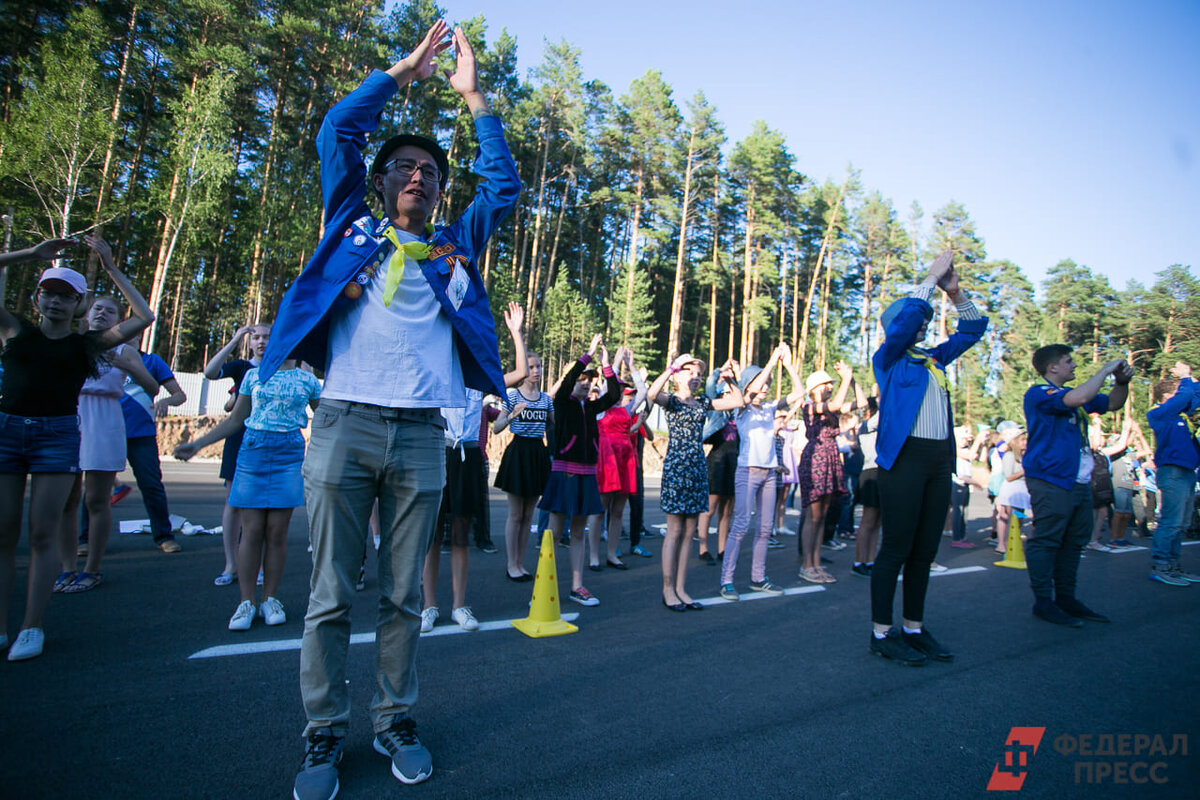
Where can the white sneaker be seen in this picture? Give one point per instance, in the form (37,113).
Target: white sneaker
(936,567)
(1100,547)
(272,612)
(241,619)
(428,617)
(29,644)
(465,619)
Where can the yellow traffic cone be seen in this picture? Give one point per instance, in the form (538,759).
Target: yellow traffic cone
(1014,554)
(545,617)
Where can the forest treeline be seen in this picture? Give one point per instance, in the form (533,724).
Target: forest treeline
(184,132)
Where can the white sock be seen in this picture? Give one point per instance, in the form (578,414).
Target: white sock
(909,630)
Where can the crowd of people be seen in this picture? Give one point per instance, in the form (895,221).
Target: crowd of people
(392,312)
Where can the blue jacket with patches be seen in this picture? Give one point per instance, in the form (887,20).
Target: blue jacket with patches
(301,328)
(1174,442)
(902,378)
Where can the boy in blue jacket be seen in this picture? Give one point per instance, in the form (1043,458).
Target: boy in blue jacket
(395,313)
(1058,470)
(1177,456)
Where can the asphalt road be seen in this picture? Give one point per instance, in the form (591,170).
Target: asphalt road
(775,698)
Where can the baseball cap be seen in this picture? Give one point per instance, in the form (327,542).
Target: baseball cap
(70,277)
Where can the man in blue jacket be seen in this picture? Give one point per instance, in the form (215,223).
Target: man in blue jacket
(1177,456)
(394,312)
(1058,465)
(915,453)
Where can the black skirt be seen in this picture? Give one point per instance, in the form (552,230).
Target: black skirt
(524,468)
(722,468)
(465,483)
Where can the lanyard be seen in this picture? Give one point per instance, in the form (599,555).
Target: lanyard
(931,364)
(1081,419)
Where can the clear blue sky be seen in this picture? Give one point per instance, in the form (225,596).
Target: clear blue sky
(1066,129)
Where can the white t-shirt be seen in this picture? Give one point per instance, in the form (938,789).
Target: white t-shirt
(397,356)
(756,436)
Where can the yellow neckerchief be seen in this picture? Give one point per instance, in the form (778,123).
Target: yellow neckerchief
(417,251)
(1188,421)
(930,363)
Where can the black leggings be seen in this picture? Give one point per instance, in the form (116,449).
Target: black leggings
(914,496)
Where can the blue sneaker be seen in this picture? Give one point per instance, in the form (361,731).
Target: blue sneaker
(411,762)
(318,777)
(641,551)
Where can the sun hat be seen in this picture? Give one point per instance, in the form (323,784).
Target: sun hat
(816,379)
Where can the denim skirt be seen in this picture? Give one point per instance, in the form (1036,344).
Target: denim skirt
(268,470)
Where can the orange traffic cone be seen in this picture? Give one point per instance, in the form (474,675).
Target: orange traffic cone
(545,617)
(1014,554)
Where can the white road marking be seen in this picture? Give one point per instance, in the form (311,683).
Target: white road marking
(955,571)
(274,646)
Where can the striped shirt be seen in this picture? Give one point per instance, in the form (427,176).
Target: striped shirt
(933,418)
(532,422)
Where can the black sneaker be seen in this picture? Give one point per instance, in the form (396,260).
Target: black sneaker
(411,762)
(924,642)
(896,649)
(1045,609)
(318,777)
(1079,610)
(707,558)
(861,569)
(486,547)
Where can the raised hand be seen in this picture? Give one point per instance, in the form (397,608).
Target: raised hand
(727,374)
(940,266)
(949,282)
(514,318)
(604,362)
(1181,370)
(52,249)
(100,247)
(1123,373)
(465,78)
(595,343)
(843,369)
(419,63)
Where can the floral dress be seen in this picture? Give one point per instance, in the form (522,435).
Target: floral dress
(685,474)
(820,463)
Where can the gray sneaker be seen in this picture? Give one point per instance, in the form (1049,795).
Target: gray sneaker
(729,592)
(1178,571)
(1163,574)
(411,762)
(318,777)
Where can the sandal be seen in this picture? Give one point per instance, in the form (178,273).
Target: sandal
(63,580)
(812,575)
(224,579)
(825,576)
(84,581)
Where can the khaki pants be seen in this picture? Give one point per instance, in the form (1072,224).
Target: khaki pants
(359,453)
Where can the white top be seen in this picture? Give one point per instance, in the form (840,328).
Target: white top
(397,356)
(462,424)
(756,436)
(868,432)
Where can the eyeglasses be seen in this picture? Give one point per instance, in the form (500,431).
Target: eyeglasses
(405,167)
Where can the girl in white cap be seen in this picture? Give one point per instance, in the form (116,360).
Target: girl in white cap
(45,366)
(821,464)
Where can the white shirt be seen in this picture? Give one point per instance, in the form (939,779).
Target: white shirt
(756,435)
(397,356)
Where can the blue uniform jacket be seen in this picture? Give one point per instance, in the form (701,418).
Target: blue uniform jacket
(1056,433)
(354,241)
(1175,444)
(902,378)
